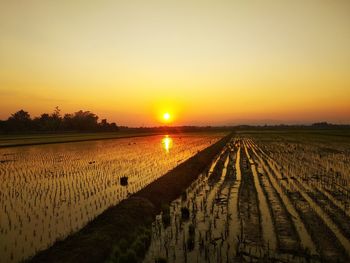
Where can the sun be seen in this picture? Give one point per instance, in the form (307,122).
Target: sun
(166,116)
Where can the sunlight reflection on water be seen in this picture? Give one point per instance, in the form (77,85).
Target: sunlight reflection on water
(167,143)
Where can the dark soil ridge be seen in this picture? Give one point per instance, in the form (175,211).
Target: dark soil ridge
(94,242)
(248,204)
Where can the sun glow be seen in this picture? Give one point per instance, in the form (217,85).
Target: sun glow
(166,116)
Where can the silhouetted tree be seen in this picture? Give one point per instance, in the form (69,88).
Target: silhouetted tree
(67,122)
(49,122)
(79,121)
(113,127)
(85,121)
(19,121)
(56,119)
(2,125)
(42,123)
(105,126)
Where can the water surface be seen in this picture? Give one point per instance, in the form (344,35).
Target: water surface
(50,191)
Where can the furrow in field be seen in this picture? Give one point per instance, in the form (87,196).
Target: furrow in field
(232,213)
(268,231)
(331,207)
(305,192)
(248,206)
(238,164)
(319,183)
(341,219)
(208,211)
(170,242)
(327,187)
(304,236)
(221,223)
(209,204)
(218,226)
(333,244)
(338,203)
(215,180)
(287,238)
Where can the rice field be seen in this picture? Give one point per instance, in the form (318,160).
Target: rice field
(50,191)
(265,198)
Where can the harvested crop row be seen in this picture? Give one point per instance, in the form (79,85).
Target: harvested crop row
(334,244)
(287,238)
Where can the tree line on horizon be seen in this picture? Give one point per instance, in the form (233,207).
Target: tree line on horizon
(82,121)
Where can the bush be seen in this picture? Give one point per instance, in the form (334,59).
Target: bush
(128,257)
(160,260)
(191,230)
(145,239)
(190,243)
(139,247)
(131,256)
(123,244)
(166,220)
(124,181)
(184,196)
(166,215)
(115,253)
(185,213)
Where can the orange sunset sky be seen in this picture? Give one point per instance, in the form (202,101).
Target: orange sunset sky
(204,62)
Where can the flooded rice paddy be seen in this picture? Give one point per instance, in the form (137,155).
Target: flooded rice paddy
(50,191)
(275,200)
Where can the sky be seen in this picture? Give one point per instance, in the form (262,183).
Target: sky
(204,62)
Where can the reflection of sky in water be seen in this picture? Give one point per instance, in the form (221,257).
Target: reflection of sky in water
(167,143)
(61,187)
